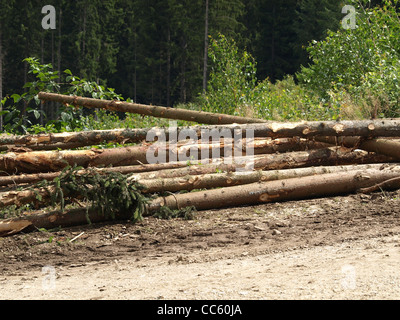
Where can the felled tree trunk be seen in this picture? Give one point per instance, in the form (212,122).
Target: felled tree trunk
(320,157)
(256,193)
(36,220)
(304,129)
(281,190)
(158,183)
(153,111)
(263,128)
(219,180)
(50,161)
(71,140)
(388,147)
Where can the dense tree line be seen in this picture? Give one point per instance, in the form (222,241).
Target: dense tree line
(153,51)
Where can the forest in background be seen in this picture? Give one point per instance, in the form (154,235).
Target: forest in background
(169,53)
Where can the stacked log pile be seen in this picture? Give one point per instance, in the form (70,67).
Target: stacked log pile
(289,161)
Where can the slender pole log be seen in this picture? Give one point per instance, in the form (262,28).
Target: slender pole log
(71,140)
(263,128)
(267,175)
(219,180)
(153,111)
(388,147)
(50,161)
(393,183)
(319,157)
(364,128)
(256,193)
(217,164)
(188,182)
(281,190)
(36,220)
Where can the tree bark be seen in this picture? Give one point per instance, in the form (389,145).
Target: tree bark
(266,175)
(256,193)
(321,157)
(273,191)
(53,161)
(154,111)
(220,180)
(71,140)
(36,220)
(50,161)
(195,178)
(304,129)
(388,147)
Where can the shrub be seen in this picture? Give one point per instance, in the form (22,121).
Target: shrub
(358,70)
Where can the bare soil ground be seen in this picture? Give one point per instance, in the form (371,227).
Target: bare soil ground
(331,248)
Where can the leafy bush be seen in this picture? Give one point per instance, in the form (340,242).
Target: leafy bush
(358,70)
(232,78)
(17,109)
(233,88)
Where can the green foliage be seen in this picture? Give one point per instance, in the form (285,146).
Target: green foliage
(68,118)
(232,79)
(188,213)
(233,88)
(361,66)
(109,193)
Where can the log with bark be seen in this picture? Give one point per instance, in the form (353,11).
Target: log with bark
(53,161)
(388,147)
(50,161)
(330,184)
(32,221)
(153,111)
(174,181)
(219,180)
(304,129)
(71,140)
(261,128)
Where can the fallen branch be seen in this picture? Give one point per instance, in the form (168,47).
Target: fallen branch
(388,184)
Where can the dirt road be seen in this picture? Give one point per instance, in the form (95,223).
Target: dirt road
(331,248)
